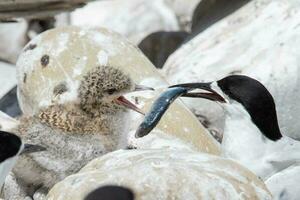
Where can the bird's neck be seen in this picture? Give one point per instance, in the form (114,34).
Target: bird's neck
(242,139)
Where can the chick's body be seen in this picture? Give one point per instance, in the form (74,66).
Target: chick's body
(74,133)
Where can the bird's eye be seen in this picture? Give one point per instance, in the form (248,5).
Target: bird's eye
(111,91)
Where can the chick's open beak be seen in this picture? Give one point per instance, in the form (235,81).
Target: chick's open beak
(123,101)
(31,148)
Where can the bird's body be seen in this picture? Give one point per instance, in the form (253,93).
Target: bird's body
(244,142)
(76,132)
(251,134)
(66,151)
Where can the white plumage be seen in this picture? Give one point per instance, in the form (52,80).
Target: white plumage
(251,133)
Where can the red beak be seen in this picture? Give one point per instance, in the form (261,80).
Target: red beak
(123,101)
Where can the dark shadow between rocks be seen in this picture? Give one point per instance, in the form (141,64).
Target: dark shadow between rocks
(160,45)
(9,103)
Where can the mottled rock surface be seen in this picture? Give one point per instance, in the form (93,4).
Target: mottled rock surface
(162,175)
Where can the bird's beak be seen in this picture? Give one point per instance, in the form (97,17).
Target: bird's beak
(31,148)
(163,102)
(142,88)
(210,94)
(123,101)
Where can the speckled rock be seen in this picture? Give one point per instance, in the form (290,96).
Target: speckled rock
(119,15)
(65,54)
(162,175)
(261,40)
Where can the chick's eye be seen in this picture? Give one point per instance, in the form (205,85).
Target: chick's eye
(111,91)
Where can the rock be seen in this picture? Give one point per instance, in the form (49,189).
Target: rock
(259,40)
(13,9)
(8,78)
(12,40)
(37,26)
(183,10)
(284,185)
(118,15)
(65,54)
(159,45)
(7,123)
(168,174)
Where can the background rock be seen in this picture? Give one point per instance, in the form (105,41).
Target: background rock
(8,79)
(134,19)
(13,38)
(183,10)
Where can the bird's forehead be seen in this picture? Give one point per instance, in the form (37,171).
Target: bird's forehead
(108,76)
(114,73)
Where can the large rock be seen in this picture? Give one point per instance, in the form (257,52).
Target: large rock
(134,19)
(66,54)
(260,40)
(183,10)
(12,40)
(13,9)
(163,175)
(8,78)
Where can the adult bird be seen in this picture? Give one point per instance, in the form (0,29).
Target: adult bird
(251,135)
(11,146)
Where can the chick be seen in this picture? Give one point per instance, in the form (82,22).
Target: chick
(74,133)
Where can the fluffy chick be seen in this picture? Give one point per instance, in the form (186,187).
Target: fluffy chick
(73,133)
